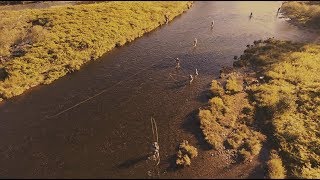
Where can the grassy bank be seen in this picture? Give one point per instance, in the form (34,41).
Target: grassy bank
(274,92)
(289,101)
(40,46)
(305,13)
(227,122)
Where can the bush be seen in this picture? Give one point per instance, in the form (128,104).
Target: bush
(275,167)
(183,160)
(233,85)
(217,106)
(216,88)
(188,149)
(211,129)
(185,153)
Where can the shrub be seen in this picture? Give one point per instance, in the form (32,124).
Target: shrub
(191,151)
(185,153)
(217,106)
(216,88)
(211,129)
(275,167)
(233,86)
(183,159)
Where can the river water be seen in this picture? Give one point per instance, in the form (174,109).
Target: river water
(109,135)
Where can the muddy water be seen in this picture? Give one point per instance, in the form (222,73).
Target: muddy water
(109,136)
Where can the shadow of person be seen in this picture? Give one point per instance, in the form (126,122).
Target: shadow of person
(132,162)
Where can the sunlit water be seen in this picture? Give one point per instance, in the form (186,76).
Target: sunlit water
(108,136)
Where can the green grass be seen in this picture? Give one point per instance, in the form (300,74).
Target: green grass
(305,13)
(290,97)
(40,46)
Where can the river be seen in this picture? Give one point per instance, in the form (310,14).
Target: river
(109,135)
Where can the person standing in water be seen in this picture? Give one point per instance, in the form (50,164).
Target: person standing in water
(197,72)
(191,79)
(177,63)
(195,42)
(250,15)
(212,23)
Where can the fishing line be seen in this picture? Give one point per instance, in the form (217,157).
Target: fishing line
(103,91)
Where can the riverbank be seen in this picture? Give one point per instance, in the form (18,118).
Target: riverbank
(280,82)
(303,14)
(46,44)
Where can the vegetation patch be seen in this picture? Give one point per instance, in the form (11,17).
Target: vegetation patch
(304,13)
(290,100)
(185,153)
(38,46)
(227,122)
(275,166)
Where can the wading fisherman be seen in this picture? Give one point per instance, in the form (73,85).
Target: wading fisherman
(250,15)
(195,42)
(197,72)
(191,79)
(155,150)
(177,63)
(212,23)
(155,145)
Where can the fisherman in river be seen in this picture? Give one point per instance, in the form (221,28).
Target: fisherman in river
(250,15)
(191,79)
(212,23)
(155,145)
(177,63)
(155,150)
(197,72)
(195,42)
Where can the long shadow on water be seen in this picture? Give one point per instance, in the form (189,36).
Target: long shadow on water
(132,162)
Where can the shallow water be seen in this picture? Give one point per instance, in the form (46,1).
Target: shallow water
(109,136)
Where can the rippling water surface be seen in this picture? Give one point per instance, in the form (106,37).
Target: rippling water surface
(109,136)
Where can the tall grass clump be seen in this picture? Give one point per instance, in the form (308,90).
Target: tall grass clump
(216,88)
(275,166)
(185,153)
(233,85)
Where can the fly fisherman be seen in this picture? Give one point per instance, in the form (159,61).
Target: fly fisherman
(177,63)
(212,23)
(155,145)
(191,79)
(195,42)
